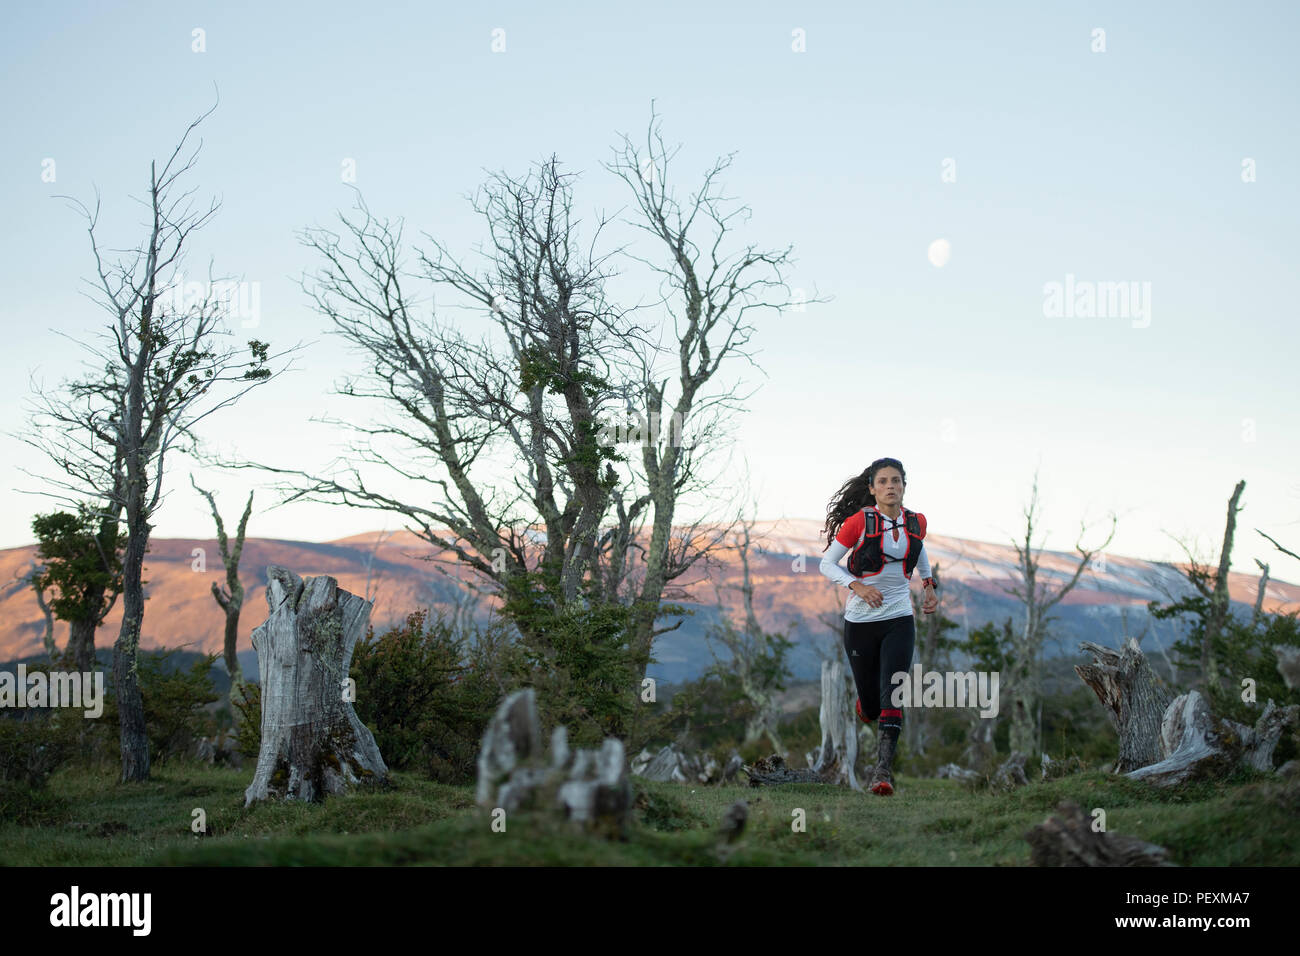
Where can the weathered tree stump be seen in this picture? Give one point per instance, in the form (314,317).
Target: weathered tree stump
(1068,839)
(1195,744)
(668,764)
(1011,774)
(734,763)
(1187,741)
(313,743)
(1134,699)
(672,764)
(835,758)
(733,821)
(1288,664)
(588,787)
(1261,740)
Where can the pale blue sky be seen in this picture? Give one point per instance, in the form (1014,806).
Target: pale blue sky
(1115,166)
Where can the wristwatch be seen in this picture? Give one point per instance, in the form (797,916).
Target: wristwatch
(929,582)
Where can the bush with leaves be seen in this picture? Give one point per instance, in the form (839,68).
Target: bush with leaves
(175,705)
(1243,652)
(577,655)
(33,744)
(425,704)
(708,714)
(246,699)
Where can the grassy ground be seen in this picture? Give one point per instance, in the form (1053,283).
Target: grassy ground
(87,818)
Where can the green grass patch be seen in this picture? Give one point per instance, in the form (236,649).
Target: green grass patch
(85,817)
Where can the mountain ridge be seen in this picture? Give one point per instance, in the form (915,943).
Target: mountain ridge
(790,593)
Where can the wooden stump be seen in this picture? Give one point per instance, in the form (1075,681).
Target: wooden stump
(1261,740)
(1187,741)
(313,743)
(1134,700)
(1288,664)
(587,787)
(668,764)
(1011,774)
(1195,744)
(1068,839)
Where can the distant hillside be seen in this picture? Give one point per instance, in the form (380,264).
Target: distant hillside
(790,594)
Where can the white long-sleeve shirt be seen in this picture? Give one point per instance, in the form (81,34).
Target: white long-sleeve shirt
(890,581)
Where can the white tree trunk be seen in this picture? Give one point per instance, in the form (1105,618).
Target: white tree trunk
(313,743)
(835,758)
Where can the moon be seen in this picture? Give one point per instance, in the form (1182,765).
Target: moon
(939,252)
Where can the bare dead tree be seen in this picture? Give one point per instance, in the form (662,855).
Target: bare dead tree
(1219,600)
(1260,590)
(33,576)
(1038,598)
(932,654)
(528,394)
(752,651)
(1212,585)
(538,390)
(373,594)
(230,598)
(160,362)
(1285,551)
(710,295)
(67,425)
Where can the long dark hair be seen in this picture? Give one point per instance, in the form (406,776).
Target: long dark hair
(855,494)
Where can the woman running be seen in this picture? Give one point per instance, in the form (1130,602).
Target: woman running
(885,542)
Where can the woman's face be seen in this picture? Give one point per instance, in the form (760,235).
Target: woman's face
(887,486)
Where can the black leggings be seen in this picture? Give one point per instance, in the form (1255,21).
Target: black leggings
(877,651)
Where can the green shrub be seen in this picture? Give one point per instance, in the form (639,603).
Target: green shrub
(425,704)
(579,661)
(34,743)
(247,702)
(29,806)
(175,703)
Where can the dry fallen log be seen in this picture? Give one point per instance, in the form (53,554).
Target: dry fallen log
(672,764)
(1134,699)
(588,787)
(1068,839)
(771,770)
(951,771)
(1054,769)
(313,743)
